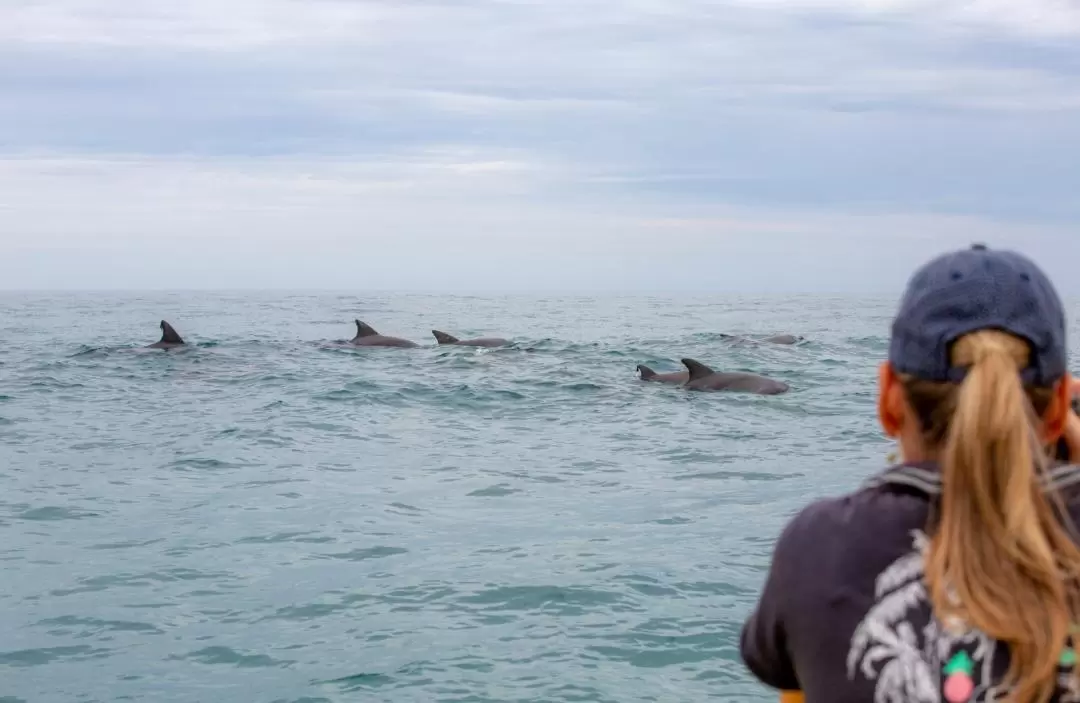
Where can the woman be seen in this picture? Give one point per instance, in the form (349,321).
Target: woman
(954,575)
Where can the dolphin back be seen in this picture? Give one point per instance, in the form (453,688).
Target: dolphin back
(444,338)
(169,335)
(697,370)
(646,372)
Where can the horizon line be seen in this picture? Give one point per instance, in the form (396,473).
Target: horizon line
(467,293)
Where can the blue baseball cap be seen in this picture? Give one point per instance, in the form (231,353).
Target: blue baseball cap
(974,289)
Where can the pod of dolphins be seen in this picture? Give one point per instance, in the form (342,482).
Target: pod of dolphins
(697,376)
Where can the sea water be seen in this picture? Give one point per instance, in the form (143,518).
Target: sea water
(268,516)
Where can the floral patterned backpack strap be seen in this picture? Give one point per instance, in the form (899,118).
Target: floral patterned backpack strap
(928,482)
(960,679)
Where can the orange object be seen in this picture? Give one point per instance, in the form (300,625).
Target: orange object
(792,697)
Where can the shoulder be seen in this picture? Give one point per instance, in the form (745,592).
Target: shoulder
(867,512)
(820,519)
(808,538)
(843,542)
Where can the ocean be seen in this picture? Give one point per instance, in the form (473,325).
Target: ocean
(269,517)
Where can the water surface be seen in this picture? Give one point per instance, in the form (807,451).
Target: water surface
(267,517)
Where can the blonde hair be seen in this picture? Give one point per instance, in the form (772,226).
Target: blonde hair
(1001,557)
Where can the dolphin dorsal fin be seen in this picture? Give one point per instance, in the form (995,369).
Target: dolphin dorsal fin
(363,329)
(169,335)
(645,371)
(444,338)
(697,369)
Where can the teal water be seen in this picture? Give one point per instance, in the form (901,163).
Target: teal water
(266,517)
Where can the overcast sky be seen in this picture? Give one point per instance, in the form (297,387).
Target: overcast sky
(483,145)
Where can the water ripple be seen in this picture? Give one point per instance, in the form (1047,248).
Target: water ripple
(275,513)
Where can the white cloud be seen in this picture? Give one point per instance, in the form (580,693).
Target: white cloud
(415,221)
(1041,18)
(241,25)
(646,136)
(491,57)
(207,24)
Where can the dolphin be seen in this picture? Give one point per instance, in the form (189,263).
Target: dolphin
(169,338)
(366,336)
(444,338)
(736,339)
(702,378)
(783,339)
(648,374)
(774,339)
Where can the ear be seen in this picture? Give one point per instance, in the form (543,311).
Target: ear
(1057,412)
(890,400)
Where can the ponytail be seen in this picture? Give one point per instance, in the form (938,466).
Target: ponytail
(1000,558)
